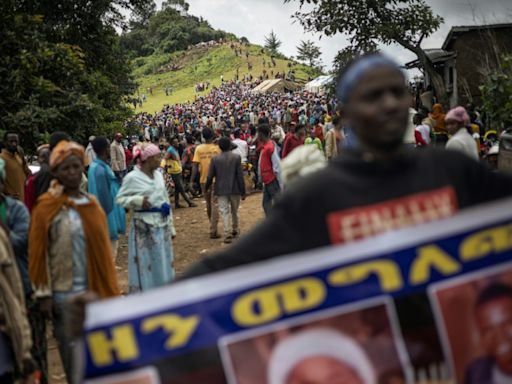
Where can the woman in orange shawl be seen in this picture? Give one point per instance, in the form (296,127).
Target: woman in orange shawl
(441,135)
(69,246)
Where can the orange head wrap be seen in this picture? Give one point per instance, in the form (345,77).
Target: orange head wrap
(63,150)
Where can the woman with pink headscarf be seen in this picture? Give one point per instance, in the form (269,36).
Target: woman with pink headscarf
(457,124)
(150,254)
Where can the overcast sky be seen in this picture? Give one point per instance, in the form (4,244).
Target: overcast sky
(256,18)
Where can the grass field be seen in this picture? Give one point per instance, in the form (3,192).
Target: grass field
(200,65)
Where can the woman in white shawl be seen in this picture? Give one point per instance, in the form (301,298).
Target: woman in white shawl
(150,254)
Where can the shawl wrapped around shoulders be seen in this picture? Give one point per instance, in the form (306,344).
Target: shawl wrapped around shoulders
(101,272)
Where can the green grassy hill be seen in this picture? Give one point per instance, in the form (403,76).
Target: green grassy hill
(201,64)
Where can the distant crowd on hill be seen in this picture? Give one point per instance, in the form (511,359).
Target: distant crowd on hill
(231,106)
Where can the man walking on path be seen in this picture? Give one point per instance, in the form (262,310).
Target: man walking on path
(226,169)
(173,167)
(202,157)
(16,168)
(269,168)
(118,157)
(103,184)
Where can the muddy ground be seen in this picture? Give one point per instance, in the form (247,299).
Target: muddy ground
(191,244)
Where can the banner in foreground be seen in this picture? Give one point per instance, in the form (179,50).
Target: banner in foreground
(430,304)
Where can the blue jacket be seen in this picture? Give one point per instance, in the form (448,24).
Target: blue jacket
(103,184)
(18,221)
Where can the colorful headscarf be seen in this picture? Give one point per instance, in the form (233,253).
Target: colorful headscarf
(63,150)
(438,115)
(2,170)
(348,81)
(143,151)
(458,114)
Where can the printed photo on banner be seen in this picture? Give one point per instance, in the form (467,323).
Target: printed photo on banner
(474,315)
(356,344)
(147,375)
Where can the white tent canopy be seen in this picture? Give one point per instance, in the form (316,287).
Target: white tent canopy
(275,85)
(319,84)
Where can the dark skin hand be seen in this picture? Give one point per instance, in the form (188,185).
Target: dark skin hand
(145,203)
(378,111)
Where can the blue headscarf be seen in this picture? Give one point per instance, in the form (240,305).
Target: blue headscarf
(356,71)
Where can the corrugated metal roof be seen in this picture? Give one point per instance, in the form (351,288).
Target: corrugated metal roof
(456,30)
(436,55)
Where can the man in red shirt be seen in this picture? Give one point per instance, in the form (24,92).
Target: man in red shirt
(293,140)
(269,168)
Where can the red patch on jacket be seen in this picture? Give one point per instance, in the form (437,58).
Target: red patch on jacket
(368,221)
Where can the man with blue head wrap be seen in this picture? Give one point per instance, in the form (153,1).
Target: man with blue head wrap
(377,187)
(353,74)
(349,81)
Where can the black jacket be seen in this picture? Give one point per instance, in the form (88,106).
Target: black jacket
(226,169)
(305,217)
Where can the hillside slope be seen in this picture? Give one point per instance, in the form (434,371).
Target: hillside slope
(182,70)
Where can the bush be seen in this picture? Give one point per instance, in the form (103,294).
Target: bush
(497,96)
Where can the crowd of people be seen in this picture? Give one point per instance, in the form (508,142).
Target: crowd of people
(60,227)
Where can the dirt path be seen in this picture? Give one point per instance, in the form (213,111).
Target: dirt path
(191,244)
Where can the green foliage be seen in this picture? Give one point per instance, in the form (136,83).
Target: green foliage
(310,53)
(61,68)
(201,66)
(497,96)
(405,22)
(176,4)
(168,31)
(272,43)
(367,23)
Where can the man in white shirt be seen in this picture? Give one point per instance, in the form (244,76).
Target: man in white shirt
(242,148)
(90,155)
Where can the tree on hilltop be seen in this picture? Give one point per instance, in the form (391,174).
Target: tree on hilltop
(272,43)
(367,23)
(308,52)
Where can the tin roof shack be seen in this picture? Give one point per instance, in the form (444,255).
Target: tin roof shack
(478,49)
(468,55)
